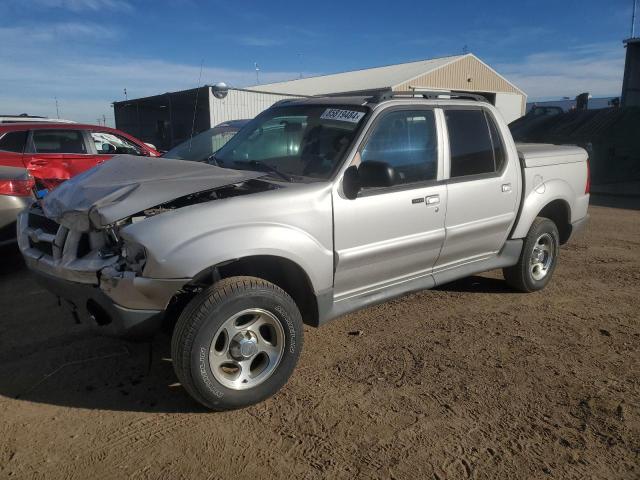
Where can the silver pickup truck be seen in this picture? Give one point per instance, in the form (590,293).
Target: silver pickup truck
(316,208)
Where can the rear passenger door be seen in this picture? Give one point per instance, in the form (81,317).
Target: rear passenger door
(482,190)
(55,155)
(390,235)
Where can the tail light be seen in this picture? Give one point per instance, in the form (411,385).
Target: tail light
(17,187)
(587,188)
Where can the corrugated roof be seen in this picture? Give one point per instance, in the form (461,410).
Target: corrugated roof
(359,80)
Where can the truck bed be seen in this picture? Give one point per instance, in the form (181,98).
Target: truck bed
(552,173)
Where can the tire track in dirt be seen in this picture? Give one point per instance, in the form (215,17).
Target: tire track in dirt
(137,438)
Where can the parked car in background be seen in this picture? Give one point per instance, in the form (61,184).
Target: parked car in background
(37,156)
(203,145)
(25,118)
(16,186)
(55,152)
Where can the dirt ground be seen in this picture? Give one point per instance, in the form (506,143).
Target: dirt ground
(467,381)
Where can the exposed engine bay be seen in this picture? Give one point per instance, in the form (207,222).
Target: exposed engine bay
(228,191)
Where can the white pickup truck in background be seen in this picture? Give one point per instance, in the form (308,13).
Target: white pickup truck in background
(316,208)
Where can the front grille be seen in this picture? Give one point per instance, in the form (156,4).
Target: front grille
(42,232)
(44,247)
(84,246)
(38,220)
(46,238)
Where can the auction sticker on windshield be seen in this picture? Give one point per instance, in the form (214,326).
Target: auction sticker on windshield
(352,116)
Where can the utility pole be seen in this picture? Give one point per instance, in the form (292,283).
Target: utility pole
(633,19)
(104,120)
(57,112)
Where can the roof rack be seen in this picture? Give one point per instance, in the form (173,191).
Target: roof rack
(426,94)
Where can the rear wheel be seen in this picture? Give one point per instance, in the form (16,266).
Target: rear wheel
(538,258)
(237,343)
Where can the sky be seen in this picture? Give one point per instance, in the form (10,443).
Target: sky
(86,52)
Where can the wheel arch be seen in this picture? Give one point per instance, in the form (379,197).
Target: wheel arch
(553,201)
(279,270)
(559,212)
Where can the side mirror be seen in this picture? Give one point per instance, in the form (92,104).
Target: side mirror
(376,174)
(108,148)
(351,182)
(368,174)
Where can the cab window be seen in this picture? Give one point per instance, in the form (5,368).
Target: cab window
(408,141)
(475,143)
(58,141)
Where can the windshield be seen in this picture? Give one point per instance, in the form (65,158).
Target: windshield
(203,145)
(295,141)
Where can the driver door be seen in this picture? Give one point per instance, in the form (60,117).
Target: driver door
(390,235)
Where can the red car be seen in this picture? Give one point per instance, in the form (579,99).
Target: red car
(53,153)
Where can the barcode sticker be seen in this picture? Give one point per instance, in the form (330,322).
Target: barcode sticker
(352,116)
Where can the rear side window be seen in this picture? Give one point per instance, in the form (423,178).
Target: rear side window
(13,142)
(58,141)
(470,143)
(408,141)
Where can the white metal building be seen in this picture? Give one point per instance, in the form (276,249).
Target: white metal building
(167,119)
(461,72)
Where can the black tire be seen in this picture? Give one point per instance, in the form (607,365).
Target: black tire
(520,276)
(202,319)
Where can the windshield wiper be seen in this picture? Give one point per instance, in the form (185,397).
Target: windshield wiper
(212,160)
(265,167)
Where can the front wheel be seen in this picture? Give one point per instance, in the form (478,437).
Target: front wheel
(237,343)
(538,258)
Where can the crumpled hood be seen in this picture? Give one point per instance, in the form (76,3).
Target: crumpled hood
(128,184)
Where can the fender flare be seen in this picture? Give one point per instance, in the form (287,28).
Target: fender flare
(537,199)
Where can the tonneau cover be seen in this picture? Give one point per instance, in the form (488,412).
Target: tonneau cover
(541,154)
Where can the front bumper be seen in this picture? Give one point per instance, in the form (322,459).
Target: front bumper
(113,302)
(90,305)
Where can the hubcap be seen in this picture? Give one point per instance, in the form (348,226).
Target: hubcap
(246,349)
(542,256)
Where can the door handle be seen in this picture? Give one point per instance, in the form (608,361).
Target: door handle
(506,187)
(433,199)
(39,163)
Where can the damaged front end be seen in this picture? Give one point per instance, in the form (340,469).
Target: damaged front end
(97,278)
(76,243)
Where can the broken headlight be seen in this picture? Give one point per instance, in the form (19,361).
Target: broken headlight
(134,256)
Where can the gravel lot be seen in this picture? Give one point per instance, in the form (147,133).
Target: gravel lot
(467,381)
